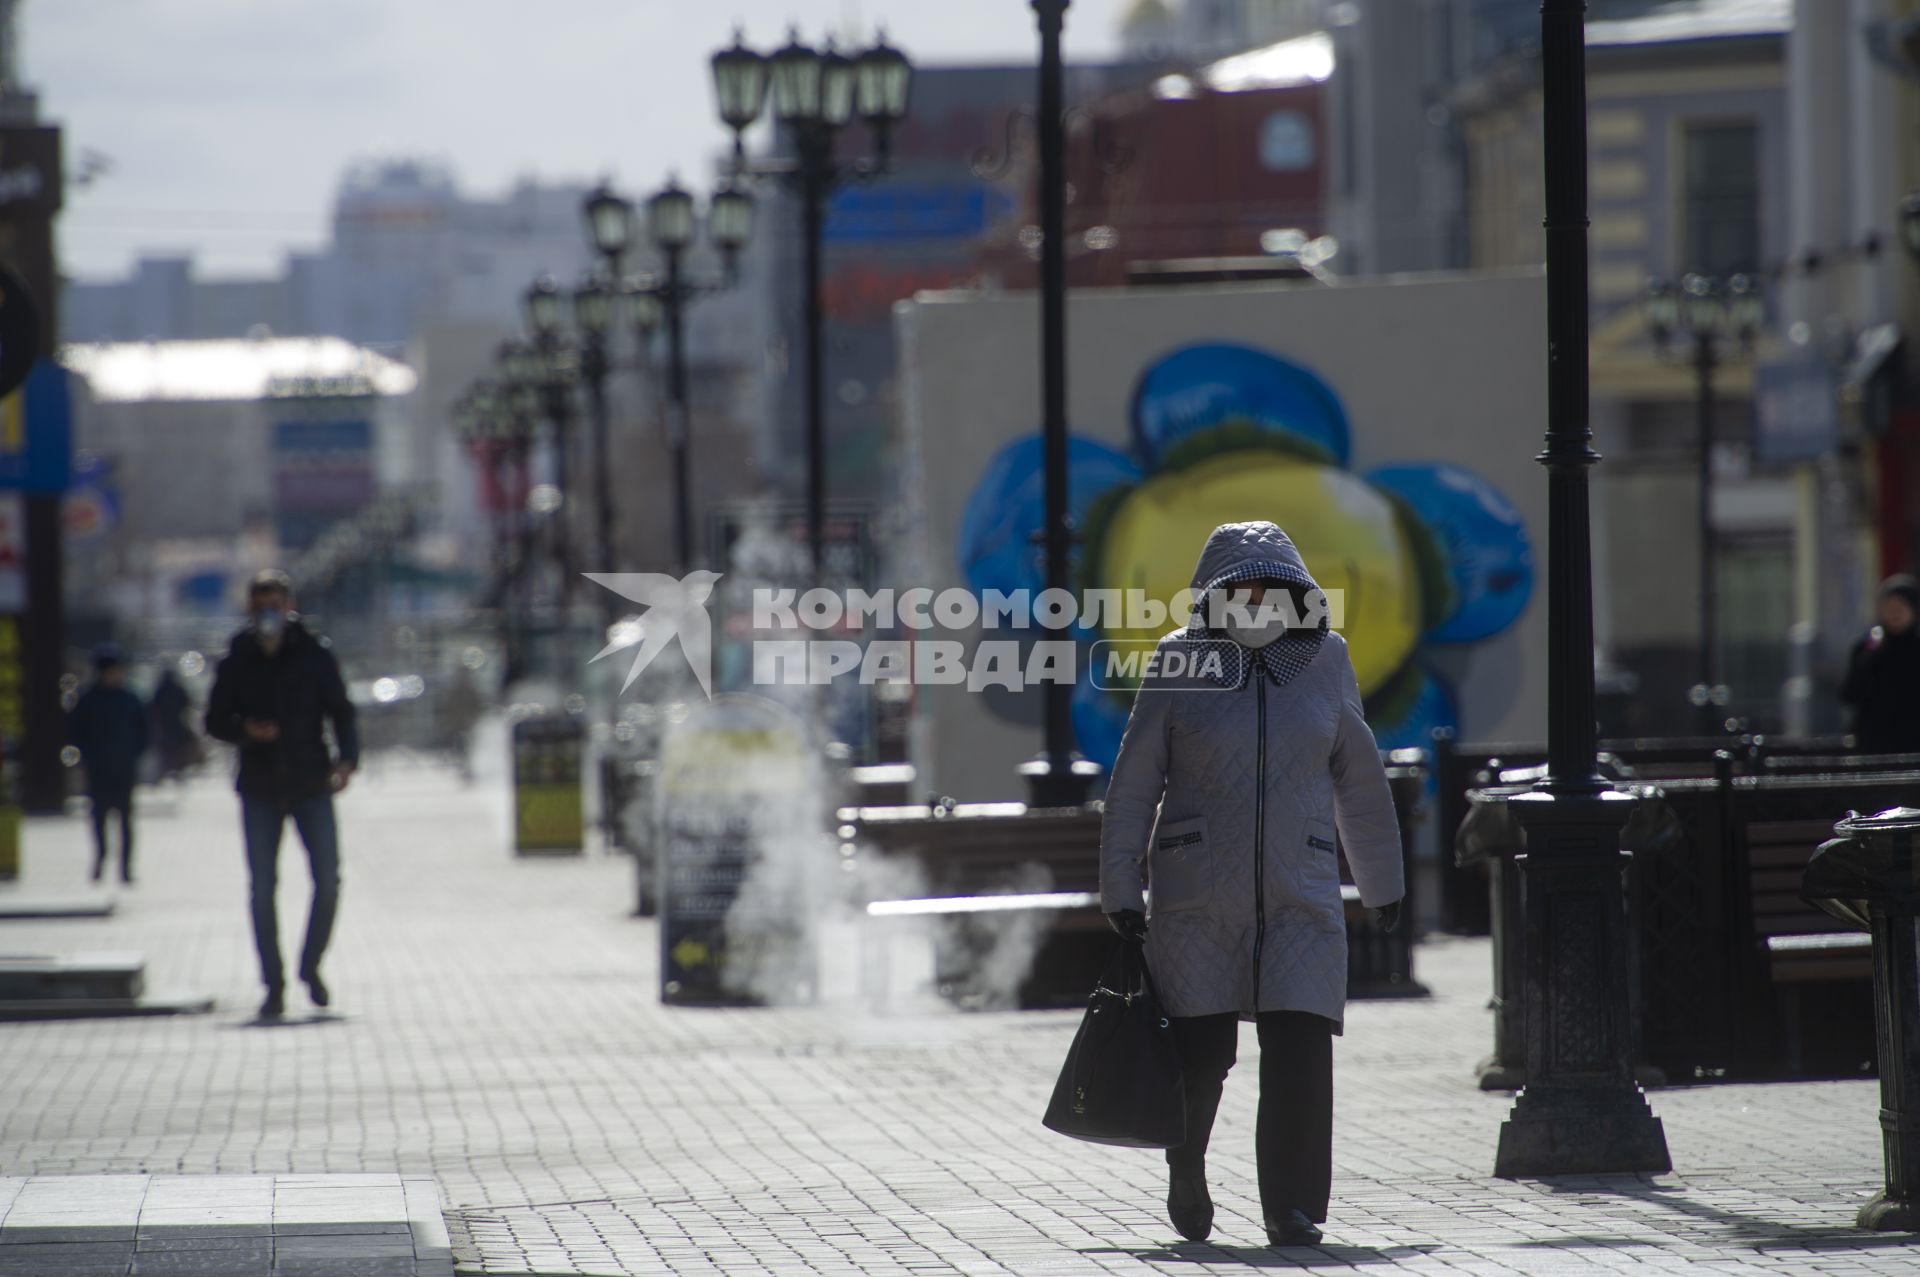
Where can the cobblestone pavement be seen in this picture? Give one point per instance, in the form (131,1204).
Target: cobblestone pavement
(498,1029)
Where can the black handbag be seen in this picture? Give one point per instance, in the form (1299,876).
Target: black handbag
(1122,1082)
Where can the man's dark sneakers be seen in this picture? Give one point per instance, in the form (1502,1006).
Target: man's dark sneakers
(275,1006)
(1189,1208)
(316,989)
(1291,1228)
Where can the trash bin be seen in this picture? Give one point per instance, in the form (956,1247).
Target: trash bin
(1868,876)
(1490,834)
(548,812)
(1380,963)
(9,842)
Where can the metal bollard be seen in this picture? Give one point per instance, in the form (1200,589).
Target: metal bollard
(1869,876)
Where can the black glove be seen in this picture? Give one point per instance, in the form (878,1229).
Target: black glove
(1387,916)
(1129,924)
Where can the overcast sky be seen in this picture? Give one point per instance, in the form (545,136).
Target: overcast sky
(228,122)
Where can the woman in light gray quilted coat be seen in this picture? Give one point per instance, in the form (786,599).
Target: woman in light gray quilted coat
(1228,790)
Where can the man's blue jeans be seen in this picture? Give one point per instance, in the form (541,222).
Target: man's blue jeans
(263,819)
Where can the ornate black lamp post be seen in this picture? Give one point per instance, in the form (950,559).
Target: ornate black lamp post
(609,221)
(484,426)
(671,225)
(648,303)
(816,93)
(552,373)
(1705,312)
(1580,1112)
(498,419)
(1059,777)
(593,318)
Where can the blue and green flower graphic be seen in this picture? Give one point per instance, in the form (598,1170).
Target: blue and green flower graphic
(1428,553)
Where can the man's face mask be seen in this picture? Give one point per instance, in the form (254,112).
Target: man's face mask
(269,622)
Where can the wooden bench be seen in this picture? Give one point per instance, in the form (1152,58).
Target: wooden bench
(990,873)
(1459,767)
(1734,976)
(1803,944)
(1807,951)
(979,863)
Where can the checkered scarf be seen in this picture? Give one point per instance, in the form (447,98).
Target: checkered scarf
(1286,657)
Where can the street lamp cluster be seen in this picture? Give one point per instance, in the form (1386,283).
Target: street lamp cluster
(648,303)
(1712,318)
(530,397)
(496,421)
(815,92)
(814,95)
(527,405)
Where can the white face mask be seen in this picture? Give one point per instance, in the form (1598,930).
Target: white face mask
(1261,628)
(269,623)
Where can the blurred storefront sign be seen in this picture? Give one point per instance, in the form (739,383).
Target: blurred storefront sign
(92,507)
(36,443)
(13,552)
(29,172)
(1796,410)
(322,466)
(34,448)
(908,211)
(739,789)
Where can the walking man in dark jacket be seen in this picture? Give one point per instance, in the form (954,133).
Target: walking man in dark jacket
(108,725)
(275,689)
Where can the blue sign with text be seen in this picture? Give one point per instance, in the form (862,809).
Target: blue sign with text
(36,432)
(906,211)
(1796,414)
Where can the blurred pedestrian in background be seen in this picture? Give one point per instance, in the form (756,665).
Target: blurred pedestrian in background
(459,707)
(1230,790)
(174,738)
(1883,674)
(275,691)
(108,725)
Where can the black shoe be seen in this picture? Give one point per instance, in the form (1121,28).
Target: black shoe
(316,989)
(1188,1207)
(275,1006)
(1291,1228)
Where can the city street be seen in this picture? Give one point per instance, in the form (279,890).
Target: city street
(498,1030)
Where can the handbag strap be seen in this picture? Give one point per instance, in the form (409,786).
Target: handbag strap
(1133,956)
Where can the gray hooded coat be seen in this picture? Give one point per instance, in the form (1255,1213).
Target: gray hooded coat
(1229,788)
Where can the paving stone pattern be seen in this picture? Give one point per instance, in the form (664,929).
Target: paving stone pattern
(497,1029)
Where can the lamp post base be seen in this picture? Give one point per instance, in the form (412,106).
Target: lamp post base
(1050,786)
(1581,1112)
(1889,1215)
(1581,1132)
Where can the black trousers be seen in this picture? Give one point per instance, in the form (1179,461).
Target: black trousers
(1293,1135)
(103,801)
